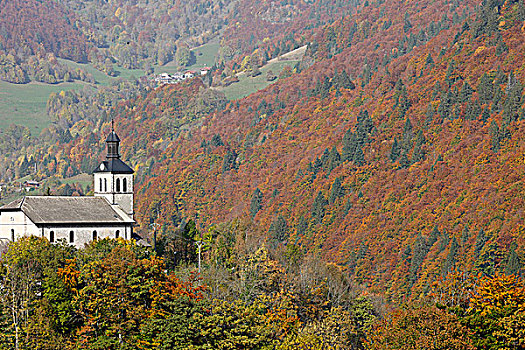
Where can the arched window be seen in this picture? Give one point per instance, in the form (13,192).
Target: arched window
(100,181)
(95,235)
(105,185)
(52,236)
(71,236)
(125,185)
(13,235)
(117,234)
(118,185)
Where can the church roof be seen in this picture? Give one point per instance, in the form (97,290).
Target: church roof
(113,165)
(69,210)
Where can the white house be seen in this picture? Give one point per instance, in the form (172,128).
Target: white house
(78,220)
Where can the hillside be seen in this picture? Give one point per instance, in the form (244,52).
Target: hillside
(396,155)
(414,173)
(369,197)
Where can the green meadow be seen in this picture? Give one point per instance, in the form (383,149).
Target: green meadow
(248,85)
(25,104)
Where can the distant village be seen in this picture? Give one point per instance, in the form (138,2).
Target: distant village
(166,78)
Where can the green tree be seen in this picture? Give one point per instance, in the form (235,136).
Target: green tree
(256,202)
(418,154)
(337,190)
(318,205)
(485,88)
(278,230)
(451,257)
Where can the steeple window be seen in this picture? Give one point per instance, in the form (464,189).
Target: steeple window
(125,185)
(117,183)
(105,185)
(101,189)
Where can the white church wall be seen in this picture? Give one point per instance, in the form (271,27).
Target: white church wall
(84,234)
(21,225)
(18,223)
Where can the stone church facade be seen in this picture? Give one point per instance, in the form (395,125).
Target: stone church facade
(78,220)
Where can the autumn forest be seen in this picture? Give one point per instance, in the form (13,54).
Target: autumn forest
(369,197)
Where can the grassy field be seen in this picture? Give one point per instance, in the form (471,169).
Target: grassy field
(248,85)
(102,78)
(205,55)
(25,104)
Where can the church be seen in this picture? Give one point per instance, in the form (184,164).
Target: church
(78,220)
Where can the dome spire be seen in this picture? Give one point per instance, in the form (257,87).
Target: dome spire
(112,142)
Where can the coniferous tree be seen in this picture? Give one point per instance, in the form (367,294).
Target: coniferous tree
(407,135)
(418,154)
(495,136)
(520,13)
(481,239)
(403,159)
(485,88)
(449,80)
(278,230)
(445,239)
(256,203)
(485,115)
(513,266)
(359,156)
(514,100)
(395,151)
(343,81)
(473,110)
(497,99)
(301,227)
(216,141)
(406,23)
(419,252)
(348,206)
(334,159)
(465,235)
(349,146)
(445,105)
(451,257)
(434,236)
(229,161)
(318,210)
(336,191)
(465,93)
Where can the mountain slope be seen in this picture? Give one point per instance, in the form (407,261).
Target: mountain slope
(31,26)
(396,155)
(451,198)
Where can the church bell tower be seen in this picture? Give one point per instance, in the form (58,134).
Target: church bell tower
(113,179)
